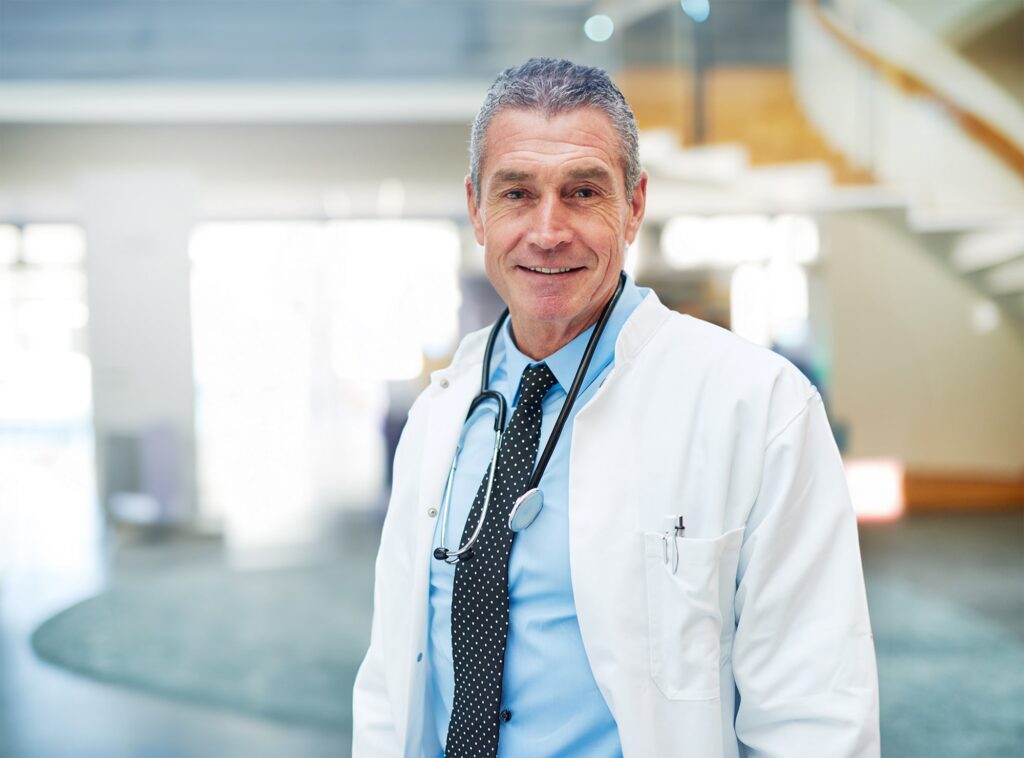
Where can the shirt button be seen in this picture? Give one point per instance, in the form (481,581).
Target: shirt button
(432,512)
(505,715)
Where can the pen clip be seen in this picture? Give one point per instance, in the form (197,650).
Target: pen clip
(677,527)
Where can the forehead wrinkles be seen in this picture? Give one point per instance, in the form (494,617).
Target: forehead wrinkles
(552,144)
(528,136)
(527,168)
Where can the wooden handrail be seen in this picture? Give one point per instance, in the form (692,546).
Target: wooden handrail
(911,84)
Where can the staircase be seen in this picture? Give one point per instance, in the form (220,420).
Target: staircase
(758,109)
(877,110)
(753,107)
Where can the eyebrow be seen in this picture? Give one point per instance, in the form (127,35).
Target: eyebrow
(595,173)
(510,175)
(590,174)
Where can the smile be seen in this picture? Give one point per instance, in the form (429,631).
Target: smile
(540,270)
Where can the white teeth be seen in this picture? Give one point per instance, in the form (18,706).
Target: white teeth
(549,270)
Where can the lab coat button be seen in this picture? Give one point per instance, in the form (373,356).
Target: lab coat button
(419,657)
(505,715)
(432,512)
(444,384)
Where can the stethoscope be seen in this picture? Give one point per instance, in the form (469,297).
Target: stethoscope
(528,505)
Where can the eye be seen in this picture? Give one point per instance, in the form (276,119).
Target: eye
(515,194)
(584,192)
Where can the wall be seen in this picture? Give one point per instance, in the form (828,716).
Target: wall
(242,171)
(911,377)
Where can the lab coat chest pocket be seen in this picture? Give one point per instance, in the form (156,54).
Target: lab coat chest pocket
(689,611)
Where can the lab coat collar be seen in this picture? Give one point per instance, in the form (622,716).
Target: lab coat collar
(648,317)
(637,329)
(565,361)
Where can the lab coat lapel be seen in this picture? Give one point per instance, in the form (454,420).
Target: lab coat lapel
(447,413)
(452,391)
(604,543)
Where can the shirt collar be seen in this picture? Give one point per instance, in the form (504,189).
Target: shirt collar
(566,360)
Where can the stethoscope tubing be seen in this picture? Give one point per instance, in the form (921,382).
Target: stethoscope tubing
(577,384)
(466,551)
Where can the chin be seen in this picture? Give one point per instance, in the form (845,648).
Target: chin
(550,310)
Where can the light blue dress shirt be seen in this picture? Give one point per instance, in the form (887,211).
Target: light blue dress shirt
(557,709)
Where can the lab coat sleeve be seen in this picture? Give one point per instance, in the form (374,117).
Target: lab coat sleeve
(373,724)
(803,655)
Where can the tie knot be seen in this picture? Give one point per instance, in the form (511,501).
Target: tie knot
(536,382)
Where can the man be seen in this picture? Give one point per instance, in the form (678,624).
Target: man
(738,626)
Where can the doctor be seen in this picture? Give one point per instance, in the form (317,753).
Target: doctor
(691,585)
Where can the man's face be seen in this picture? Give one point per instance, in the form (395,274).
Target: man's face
(555,220)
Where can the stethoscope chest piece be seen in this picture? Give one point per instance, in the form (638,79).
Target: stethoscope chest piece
(525,510)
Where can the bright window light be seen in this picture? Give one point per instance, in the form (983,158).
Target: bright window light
(54,244)
(788,297)
(876,488)
(296,328)
(44,306)
(599,28)
(767,302)
(699,242)
(694,242)
(749,304)
(45,385)
(44,377)
(687,242)
(64,315)
(251,288)
(769,289)
(396,295)
(796,238)
(9,241)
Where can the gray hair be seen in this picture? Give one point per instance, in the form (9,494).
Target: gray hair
(552,87)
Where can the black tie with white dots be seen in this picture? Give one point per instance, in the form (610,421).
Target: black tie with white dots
(480,592)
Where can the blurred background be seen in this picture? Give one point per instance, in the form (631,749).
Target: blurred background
(233,245)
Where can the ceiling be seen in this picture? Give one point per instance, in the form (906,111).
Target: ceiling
(332,40)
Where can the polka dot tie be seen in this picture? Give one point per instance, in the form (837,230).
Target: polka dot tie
(480,593)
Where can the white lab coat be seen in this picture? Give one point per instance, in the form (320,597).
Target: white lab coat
(759,644)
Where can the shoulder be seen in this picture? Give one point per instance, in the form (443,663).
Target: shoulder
(712,348)
(727,371)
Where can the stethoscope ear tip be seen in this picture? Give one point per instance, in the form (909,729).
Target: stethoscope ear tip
(440,553)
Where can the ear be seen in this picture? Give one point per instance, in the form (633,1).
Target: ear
(474,212)
(637,206)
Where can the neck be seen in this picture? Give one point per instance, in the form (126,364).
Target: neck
(543,343)
(538,340)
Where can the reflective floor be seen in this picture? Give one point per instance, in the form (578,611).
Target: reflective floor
(57,552)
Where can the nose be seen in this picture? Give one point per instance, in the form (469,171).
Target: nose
(550,226)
